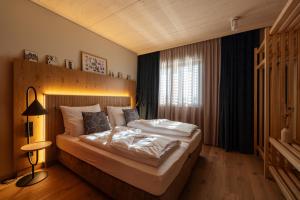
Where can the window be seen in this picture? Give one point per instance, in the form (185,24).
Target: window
(179,83)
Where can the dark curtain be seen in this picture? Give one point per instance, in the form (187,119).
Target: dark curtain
(147,85)
(236,91)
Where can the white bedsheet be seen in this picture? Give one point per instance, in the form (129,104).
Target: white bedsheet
(164,126)
(192,141)
(131,143)
(150,179)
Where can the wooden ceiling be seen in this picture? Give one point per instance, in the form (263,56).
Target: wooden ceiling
(145,26)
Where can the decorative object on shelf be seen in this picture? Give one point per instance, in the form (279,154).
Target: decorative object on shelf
(120,75)
(34,109)
(128,77)
(111,74)
(95,64)
(51,60)
(69,64)
(286,135)
(31,56)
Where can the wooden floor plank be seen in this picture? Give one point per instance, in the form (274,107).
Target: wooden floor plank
(228,175)
(217,175)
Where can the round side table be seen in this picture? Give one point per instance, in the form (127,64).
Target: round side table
(34,177)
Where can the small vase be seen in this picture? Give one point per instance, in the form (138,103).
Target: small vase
(286,135)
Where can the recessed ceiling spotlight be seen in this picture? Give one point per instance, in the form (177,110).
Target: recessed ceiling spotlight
(234,24)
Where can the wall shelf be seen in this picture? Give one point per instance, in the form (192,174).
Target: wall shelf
(288,183)
(261,97)
(289,151)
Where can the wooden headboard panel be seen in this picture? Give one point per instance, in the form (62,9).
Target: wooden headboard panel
(54,80)
(54,122)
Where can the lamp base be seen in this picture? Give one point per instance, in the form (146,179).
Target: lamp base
(28,180)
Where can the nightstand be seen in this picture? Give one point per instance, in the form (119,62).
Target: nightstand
(34,177)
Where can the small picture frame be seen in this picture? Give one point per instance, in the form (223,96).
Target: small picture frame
(120,75)
(69,64)
(94,64)
(51,60)
(31,56)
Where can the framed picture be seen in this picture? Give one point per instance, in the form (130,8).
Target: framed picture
(51,60)
(31,56)
(69,64)
(95,64)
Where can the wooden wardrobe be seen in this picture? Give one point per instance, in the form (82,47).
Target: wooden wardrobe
(277,100)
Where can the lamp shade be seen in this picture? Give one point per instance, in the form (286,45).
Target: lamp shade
(34,109)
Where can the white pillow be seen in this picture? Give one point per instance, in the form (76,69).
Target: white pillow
(116,115)
(73,120)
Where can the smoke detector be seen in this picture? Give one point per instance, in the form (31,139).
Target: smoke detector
(234,23)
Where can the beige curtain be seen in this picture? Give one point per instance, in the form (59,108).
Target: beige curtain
(189,86)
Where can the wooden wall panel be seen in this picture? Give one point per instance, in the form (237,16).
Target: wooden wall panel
(275,82)
(261,108)
(291,79)
(282,66)
(298,89)
(266,103)
(274,88)
(49,79)
(255,106)
(285,83)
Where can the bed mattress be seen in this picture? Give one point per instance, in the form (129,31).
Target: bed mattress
(150,179)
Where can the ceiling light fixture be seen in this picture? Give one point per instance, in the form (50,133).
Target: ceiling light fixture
(234,24)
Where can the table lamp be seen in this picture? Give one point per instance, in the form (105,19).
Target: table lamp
(34,109)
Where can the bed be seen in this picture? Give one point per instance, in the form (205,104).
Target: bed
(115,175)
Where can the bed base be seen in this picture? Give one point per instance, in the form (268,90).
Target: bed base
(118,189)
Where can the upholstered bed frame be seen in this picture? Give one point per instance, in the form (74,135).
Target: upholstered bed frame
(108,184)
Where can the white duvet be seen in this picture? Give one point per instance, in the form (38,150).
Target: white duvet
(164,126)
(131,143)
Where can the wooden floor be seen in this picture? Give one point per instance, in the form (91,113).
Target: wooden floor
(218,175)
(226,175)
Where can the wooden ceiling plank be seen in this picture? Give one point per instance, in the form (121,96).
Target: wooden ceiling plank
(147,26)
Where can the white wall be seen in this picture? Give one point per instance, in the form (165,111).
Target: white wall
(25,25)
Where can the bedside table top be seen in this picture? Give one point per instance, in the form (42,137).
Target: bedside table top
(36,146)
